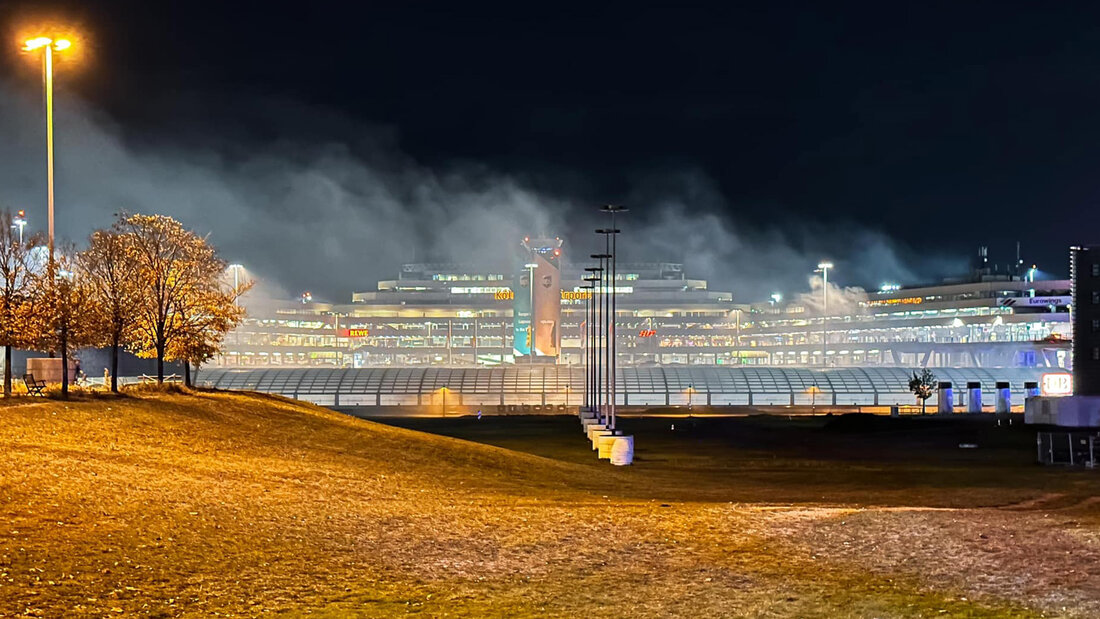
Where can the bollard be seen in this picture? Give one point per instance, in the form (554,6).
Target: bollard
(1031,389)
(1004,397)
(622,451)
(604,442)
(597,435)
(974,397)
(947,398)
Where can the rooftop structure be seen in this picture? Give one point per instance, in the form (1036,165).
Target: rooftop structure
(450,315)
(559,385)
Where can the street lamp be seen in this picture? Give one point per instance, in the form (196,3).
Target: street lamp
(602,341)
(20,222)
(236,268)
(593,338)
(586,291)
(823,268)
(613,209)
(48,47)
(443,410)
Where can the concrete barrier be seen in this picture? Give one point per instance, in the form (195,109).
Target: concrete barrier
(622,451)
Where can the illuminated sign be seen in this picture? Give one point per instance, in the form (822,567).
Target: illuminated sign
(1057,384)
(902,301)
(566,295)
(1033,301)
(354,332)
(647,333)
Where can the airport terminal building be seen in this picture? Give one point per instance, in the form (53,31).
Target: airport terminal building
(452,315)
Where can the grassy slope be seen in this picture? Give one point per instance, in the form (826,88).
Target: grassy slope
(234,504)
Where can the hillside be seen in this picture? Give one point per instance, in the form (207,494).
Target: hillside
(239,504)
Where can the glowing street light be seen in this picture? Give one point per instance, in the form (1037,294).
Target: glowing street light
(823,268)
(48,47)
(236,268)
(20,222)
(776,298)
(443,409)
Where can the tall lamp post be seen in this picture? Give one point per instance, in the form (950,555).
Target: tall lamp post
(602,342)
(236,268)
(613,232)
(823,268)
(587,289)
(593,339)
(20,222)
(48,47)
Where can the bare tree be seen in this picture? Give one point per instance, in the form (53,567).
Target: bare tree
(16,291)
(112,274)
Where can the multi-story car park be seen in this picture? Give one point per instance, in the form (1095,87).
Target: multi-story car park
(457,316)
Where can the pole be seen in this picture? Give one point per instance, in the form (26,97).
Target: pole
(48,76)
(600,340)
(584,354)
(824,313)
(607,333)
(613,332)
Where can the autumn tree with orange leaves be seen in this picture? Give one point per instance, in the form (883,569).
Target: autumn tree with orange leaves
(183,308)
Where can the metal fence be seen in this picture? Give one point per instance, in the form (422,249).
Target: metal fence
(1068,448)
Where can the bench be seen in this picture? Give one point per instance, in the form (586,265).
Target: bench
(34,387)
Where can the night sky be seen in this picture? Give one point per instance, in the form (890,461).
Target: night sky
(943,126)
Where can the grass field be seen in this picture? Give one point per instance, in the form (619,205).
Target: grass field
(168,504)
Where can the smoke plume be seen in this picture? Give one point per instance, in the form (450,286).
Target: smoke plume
(335,215)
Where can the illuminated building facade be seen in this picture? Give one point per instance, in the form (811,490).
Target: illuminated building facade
(452,315)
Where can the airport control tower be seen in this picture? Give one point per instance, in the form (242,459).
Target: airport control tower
(537,302)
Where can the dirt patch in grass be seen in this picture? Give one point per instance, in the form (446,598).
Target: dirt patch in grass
(194,504)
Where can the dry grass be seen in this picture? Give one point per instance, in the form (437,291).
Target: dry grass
(194,504)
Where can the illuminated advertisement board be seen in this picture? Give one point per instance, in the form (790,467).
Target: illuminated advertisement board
(521,312)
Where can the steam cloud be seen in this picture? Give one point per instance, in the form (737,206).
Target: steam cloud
(328,218)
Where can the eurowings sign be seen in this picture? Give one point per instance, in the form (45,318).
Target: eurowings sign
(1033,301)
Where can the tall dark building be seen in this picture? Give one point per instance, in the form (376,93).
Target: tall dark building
(1084,265)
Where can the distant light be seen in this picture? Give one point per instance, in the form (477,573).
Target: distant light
(776,297)
(61,44)
(889,287)
(825,265)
